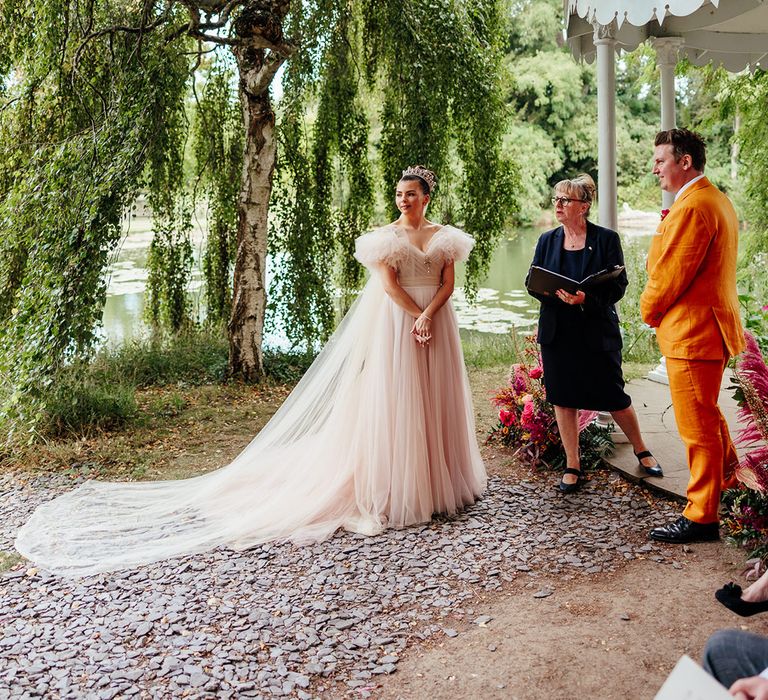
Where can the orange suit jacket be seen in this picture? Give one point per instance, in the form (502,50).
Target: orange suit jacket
(690,297)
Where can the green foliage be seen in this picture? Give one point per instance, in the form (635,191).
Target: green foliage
(531,144)
(440,108)
(94,109)
(639,339)
(100,394)
(218,148)
(169,264)
(286,367)
(706,108)
(743,99)
(83,116)
(78,403)
(754,309)
(637,121)
(194,356)
(746,521)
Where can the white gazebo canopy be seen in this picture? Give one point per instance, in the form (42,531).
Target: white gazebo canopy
(728,33)
(731,33)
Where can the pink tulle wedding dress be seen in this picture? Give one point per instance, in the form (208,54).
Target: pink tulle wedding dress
(378,433)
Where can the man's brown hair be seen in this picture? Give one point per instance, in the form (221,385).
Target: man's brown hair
(684,142)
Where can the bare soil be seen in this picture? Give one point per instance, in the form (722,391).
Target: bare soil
(605,636)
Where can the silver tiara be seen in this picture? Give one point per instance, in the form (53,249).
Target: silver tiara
(427,175)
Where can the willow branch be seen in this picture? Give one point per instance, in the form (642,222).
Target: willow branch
(117,28)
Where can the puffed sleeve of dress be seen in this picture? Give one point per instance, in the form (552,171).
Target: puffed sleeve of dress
(453,244)
(382,245)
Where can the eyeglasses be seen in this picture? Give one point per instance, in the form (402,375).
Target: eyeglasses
(565,200)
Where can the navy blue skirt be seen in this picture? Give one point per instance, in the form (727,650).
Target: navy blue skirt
(577,377)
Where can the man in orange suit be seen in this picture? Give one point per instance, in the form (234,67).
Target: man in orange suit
(691,300)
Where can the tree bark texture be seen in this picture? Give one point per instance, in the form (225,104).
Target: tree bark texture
(257,67)
(249,300)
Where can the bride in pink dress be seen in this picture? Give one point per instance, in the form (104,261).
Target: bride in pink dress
(378,433)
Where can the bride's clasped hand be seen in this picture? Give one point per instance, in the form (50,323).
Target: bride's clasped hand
(421,330)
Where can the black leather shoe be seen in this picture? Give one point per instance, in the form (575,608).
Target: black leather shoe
(684,530)
(730,596)
(650,471)
(575,486)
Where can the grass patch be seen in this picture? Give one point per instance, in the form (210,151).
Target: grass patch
(182,433)
(196,356)
(101,395)
(8,560)
(487,349)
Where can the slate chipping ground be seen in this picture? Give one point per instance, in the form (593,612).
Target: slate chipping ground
(322,621)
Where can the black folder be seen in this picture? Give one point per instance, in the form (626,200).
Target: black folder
(546,282)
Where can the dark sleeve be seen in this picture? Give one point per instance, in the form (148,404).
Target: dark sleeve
(538,259)
(608,293)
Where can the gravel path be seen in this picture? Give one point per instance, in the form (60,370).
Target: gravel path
(328,620)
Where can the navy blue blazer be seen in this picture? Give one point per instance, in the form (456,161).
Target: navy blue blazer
(600,320)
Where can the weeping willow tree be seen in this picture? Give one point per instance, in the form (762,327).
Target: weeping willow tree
(743,100)
(93,111)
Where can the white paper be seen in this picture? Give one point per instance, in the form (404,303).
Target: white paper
(689,681)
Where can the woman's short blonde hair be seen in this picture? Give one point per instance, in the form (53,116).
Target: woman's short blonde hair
(581,187)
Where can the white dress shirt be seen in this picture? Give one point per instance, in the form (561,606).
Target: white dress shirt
(688,184)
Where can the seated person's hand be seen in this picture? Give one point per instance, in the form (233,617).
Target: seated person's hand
(754,688)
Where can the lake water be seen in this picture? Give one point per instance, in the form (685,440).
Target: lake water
(502,301)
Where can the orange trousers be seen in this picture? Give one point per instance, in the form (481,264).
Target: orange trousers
(712,459)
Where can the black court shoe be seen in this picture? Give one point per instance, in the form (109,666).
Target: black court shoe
(575,486)
(650,471)
(730,596)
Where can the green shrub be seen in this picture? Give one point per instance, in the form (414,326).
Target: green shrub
(753,296)
(77,403)
(195,356)
(102,394)
(287,367)
(639,339)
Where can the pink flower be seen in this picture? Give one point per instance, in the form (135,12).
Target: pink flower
(526,419)
(527,399)
(664,213)
(506,417)
(765,308)
(536,373)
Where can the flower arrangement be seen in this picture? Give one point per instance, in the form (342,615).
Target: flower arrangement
(746,522)
(527,420)
(751,376)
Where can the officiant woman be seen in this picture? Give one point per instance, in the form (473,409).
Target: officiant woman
(579,333)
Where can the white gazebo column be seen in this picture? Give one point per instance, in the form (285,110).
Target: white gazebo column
(605,41)
(666,57)
(607,208)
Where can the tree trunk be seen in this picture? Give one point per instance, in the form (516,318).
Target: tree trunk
(246,323)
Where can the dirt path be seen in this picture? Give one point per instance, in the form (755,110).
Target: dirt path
(609,636)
